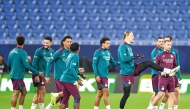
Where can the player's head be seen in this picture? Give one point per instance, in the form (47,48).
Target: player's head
(168,38)
(160,42)
(66,42)
(1,58)
(105,42)
(20,40)
(47,42)
(128,37)
(75,47)
(167,45)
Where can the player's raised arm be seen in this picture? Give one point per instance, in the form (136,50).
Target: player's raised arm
(50,62)
(113,62)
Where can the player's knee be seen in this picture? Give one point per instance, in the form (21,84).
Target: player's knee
(100,95)
(127,95)
(42,92)
(177,90)
(24,93)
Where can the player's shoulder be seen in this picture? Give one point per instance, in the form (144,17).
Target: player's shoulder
(160,53)
(174,49)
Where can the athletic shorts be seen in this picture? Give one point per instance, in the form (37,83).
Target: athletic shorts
(155,80)
(129,79)
(166,83)
(68,90)
(41,83)
(176,81)
(58,85)
(103,83)
(17,84)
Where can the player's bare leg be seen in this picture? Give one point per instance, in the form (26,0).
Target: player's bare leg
(14,98)
(98,99)
(76,105)
(151,100)
(177,98)
(35,99)
(171,98)
(164,100)
(42,91)
(157,98)
(106,97)
(22,97)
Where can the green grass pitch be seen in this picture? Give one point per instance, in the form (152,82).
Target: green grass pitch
(135,101)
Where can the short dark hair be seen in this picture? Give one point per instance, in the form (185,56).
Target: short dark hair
(74,46)
(66,37)
(126,33)
(159,38)
(167,41)
(104,39)
(20,40)
(1,55)
(48,38)
(170,37)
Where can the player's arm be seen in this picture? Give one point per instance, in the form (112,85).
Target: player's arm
(50,62)
(9,62)
(113,62)
(178,64)
(26,64)
(95,63)
(74,67)
(153,58)
(123,54)
(36,58)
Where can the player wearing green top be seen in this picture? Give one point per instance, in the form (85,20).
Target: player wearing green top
(59,57)
(101,60)
(41,57)
(70,76)
(129,69)
(154,73)
(17,62)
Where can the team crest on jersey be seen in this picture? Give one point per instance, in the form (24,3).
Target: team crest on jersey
(171,56)
(162,87)
(129,82)
(51,54)
(106,85)
(63,54)
(163,56)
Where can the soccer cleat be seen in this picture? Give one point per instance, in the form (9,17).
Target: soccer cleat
(174,70)
(53,99)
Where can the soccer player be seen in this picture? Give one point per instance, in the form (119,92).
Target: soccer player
(17,62)
(41,57)
(101,60)
(166,82)
(59,57)
(155,74)
(177,77)
(69,77)
(128,69)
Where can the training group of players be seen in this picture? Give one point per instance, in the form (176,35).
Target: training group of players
(164,64)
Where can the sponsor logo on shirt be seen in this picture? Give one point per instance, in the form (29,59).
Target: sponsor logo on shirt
(168,60)
(106,58)
(47,58)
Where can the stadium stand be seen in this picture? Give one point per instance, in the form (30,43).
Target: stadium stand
(88,20)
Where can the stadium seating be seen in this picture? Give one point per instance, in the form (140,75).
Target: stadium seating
(89,20)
